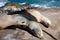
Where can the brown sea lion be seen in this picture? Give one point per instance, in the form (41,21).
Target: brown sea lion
(16,19)
(34,15)
(38,16)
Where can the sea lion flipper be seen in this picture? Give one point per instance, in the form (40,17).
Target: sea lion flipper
(35,27)
(45,21)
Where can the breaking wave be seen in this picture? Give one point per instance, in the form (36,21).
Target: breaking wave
(50,4)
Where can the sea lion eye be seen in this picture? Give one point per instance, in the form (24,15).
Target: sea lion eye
(23,22)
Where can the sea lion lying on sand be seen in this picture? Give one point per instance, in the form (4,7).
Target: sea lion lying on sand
(16,19)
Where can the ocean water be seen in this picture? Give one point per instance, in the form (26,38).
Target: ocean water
(35,3)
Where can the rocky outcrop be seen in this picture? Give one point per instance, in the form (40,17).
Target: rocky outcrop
(51,33)
(16,35)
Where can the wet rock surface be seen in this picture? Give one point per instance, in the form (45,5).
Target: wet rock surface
(52,33)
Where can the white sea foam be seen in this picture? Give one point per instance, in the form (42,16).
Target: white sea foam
(22,3)
(2,4)
(46,5)
(36,5)
(42,5)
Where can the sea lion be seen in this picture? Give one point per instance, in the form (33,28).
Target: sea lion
(7,20)
(16,19)
(15,6)
(39,17)
(36,14)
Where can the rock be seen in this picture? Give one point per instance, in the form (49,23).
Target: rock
(52,33)
(16,35)
(54,15)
